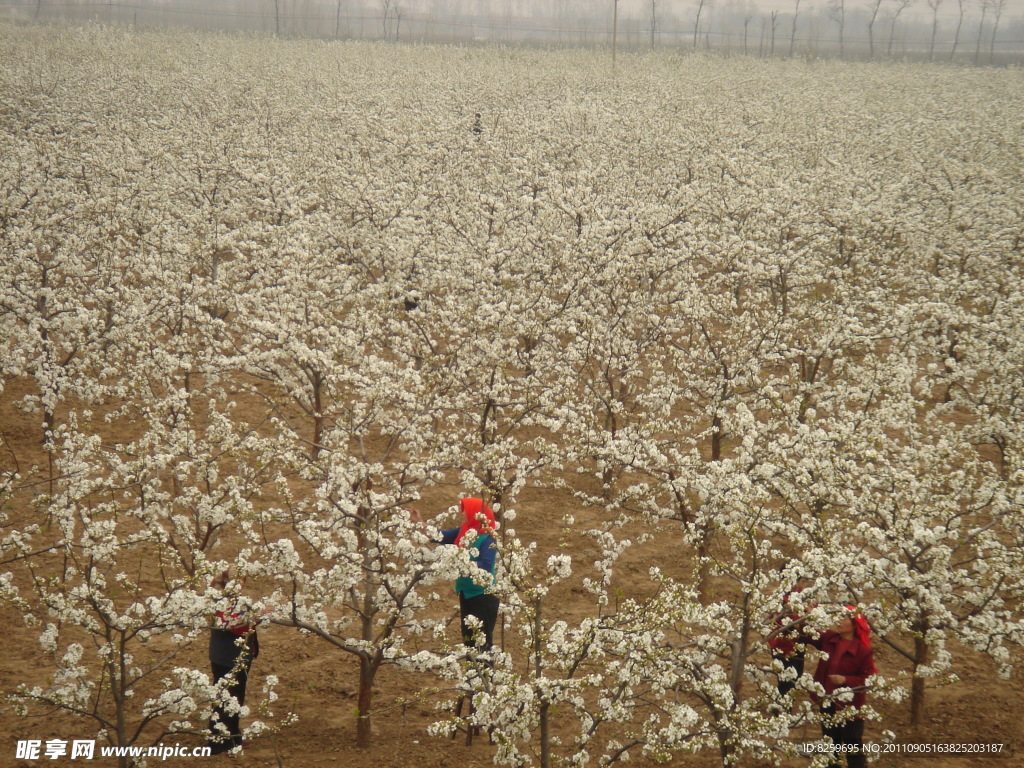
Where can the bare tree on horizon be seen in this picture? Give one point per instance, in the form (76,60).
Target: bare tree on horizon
(998,6)
(792,36)
(959,24)
(985,5)
(385,7)
(837,12)
(873,7)
(901,6)
(696,24)
(934,5)
(615,28)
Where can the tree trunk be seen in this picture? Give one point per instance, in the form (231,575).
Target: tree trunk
(654,22)
(364,702)
(49,425)
(615,28)
(792,36)
(703,575)
(725,738)
(716,439)
(739,650)
(917,684)
(992,44)
(538,669)
(545,735)
(871,27)
(981,29)
(956,35)
(318,416)
(117,683)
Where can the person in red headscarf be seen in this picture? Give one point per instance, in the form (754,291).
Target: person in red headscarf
(849,663)
(476,599)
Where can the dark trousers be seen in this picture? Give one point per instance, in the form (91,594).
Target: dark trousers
(851,732)
(794,661)
(218,742)
(485,608)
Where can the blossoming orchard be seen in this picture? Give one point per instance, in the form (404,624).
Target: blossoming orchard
(697,328)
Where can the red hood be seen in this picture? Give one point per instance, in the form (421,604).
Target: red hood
(861,628)
(477,516)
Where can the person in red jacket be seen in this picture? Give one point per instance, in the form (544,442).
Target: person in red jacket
(847,664)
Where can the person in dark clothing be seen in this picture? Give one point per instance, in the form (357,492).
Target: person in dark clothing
(786,645)
(475,599)
(234,645)
(850,662)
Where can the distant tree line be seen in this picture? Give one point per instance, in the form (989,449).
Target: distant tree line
(969,31)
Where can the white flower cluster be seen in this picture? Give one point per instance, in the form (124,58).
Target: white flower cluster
(259,312)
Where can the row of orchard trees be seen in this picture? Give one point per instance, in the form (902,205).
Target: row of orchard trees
(258,309)
(985,31)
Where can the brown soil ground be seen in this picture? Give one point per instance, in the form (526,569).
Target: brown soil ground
(317,682)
